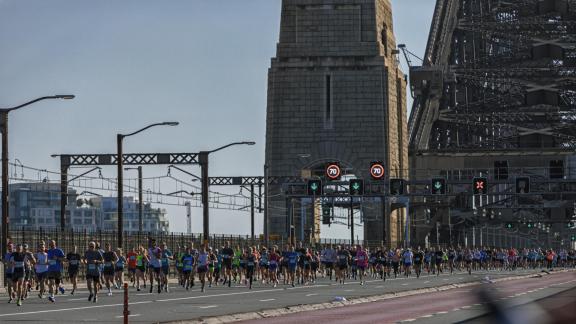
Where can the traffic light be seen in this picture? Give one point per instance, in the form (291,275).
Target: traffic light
(438,186)
(573,238)
(570,225)
(314,187)
(356,187)
(396,187)
(522,185)
(480,186)
(509,226)
(326,215)
(530,225)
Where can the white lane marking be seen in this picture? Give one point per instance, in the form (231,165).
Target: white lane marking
(440,313)
(466,307)
(75,299)
(131,315)
(220,295)
(409,320)
(426,316)
(309,295)
(144,294)
(72,309)
(210,306)
(426,282)
(404,284)
(349,290)
(267,300)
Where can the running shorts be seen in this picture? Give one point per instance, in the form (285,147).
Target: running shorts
(109,271)
(94,278)
(56,275)
(41,275)
(72,271)
(18,274)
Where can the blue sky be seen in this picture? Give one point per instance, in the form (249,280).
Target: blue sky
(133,62)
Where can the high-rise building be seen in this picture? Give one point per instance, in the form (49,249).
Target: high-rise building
(37,205)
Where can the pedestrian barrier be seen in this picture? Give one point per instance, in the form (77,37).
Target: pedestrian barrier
(126,311)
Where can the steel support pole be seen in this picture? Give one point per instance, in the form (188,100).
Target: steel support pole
(120,185)
(351,222)
(266,238)
(252,212)
(63,195)
(140,202)
(203,160)
(5,202)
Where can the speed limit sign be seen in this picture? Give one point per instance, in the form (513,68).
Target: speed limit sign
(333,171)
(377,171)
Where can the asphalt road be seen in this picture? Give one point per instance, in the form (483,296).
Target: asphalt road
(180,304)
(524,301)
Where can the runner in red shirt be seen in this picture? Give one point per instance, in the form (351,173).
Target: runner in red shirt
(131,257)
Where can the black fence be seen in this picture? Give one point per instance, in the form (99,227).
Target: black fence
(67,239)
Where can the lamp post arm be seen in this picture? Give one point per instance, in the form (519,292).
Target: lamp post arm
(231,144)
(39,99)
(150,126)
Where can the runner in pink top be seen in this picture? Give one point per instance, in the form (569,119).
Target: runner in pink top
(361,262)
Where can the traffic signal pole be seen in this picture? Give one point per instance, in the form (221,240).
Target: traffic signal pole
(351,222)
(203,161)
(252,212)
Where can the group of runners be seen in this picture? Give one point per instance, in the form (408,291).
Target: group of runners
(106,267)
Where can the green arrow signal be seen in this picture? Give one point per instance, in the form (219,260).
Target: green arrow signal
(314,186)
(356,186)
(437,185)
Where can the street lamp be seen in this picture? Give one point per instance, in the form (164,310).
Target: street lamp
(203,161)
(4,129)
(140,204)
(120,162)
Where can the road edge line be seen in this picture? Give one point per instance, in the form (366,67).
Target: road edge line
(276,312)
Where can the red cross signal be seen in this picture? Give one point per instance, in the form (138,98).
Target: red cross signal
(479,185)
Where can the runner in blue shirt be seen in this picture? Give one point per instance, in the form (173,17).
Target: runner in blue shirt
(55,257)
(166,257)
(187,268)
(8,273)
(292,258)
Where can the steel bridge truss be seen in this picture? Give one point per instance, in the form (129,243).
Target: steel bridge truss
(507,73)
